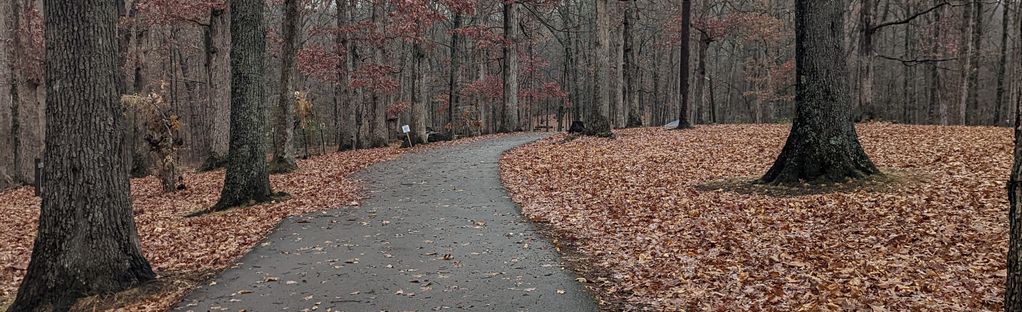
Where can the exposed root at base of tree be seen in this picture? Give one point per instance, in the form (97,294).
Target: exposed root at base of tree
(274,198)
(890,179)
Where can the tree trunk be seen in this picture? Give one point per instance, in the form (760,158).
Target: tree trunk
(218,75)
(284,119)
(1002,66)
(97,251)
(631,70)
(598,123)
(867,59)
(686,34)
(975,50)
(617,94)
(699,94)
(943,110)
(965,55)
(342,89)
(909,101)
(509,113)
(1013,282)
(27,107)
(823,146)
(247,180)
(420,96)
(453,90)
(7,61)
(378,123)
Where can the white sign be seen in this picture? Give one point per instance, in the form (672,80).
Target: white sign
(406,129)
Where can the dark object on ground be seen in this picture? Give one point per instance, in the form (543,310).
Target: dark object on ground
(438,136)
(577,127)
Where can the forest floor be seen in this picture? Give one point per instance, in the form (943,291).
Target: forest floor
(187,252)
(668,220)
(438,232)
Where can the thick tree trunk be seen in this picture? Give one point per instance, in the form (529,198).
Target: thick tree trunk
(1002,66)
(617,81)
(378,122)
(27,107)
(867,59)
(453,88)
(1013,282)
(420,96)
(632,84)
(509,113)
(699,94)
(218,75)
(909,102)
(975,49)
(247,180)
(942,106)
(686,34)
(344,124)
(823,146)
(284,119)
(7,61)
(96,251)
(966,57)
(598,123)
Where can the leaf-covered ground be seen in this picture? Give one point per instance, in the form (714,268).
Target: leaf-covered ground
(640,211)
(185,251)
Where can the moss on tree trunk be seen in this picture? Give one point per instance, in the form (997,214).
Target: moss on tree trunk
(823,146)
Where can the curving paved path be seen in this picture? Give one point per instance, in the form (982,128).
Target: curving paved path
(438,233)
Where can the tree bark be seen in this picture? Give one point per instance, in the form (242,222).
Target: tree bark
(7,60)
(509,115)
(686,34)
(598,123)
(96,251)
(966,56)
(975,50)
(27,93)
(218,75)
(420,96)
(941,105)
(1013,282)
(867,60)
(1002,66)
(453,90)
(823,146)
(247,179)
(342,89)
(378,122)
(284,119)
(631,70)
(699,94)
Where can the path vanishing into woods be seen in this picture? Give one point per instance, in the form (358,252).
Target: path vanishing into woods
(438,232)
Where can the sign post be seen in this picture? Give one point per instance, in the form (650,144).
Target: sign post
(407,130)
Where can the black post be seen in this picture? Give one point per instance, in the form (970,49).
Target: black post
(38,177)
